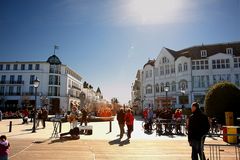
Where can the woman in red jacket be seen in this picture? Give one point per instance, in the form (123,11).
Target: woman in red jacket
(129,122)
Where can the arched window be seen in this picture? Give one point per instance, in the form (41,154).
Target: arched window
(157,88)
(149,89)
(185,67)
(180,68)
(183,85)
(162,87)
(173,86)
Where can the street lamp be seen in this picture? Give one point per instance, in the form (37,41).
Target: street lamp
(36,83)
(166,89)
(183,93)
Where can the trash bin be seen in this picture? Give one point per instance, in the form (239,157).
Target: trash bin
(231,130)
(229,118)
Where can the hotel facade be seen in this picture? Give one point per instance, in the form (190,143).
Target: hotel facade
(177,78)
(60,86)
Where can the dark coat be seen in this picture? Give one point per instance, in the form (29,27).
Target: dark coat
(198,126)
(120,117)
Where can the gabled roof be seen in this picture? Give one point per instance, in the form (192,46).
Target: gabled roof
(212,49)
(150,62)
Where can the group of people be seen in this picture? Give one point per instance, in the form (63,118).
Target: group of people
(125,117)
(76,115)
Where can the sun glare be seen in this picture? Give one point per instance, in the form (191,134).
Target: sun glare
(155,11)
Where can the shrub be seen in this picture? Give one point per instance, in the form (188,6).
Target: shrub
(220,98)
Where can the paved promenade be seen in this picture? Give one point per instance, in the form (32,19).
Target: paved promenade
(101,145)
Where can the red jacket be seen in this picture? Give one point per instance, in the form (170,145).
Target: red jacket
(129,119)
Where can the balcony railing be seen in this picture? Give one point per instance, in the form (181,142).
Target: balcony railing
(11,82)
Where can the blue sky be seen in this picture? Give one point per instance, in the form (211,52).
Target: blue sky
(107,41)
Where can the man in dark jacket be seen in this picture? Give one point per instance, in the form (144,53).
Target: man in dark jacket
(198,127)
(121,121)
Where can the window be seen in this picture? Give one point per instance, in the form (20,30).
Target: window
(164,60)
(1,66)
(185,67)
(54,80)
(30,66)
(15,67)
(146,74)
(229,51)
(150,73)
(2,90)
(55,69)
(180,68)
(3,79)
(162,87)
(237,62)
(148,89)
(19,90)
(203,53)
(10,90)
(53,91)
(183,85)
(167,71)
(172,69)
(221,77)
(12,79)
(161,70)
(157,88)
(19,79)
(174,86)
(220,63)
(32,77)
(37,66)
(200,65)
(22,66)
(8,67)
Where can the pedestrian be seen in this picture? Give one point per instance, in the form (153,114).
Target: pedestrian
(39,117)
(129,119)
(84,116)
(25,115)
(44,116)
(121,121)
(198,127)
(4,148)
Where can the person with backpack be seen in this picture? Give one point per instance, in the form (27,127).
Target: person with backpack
(121,121)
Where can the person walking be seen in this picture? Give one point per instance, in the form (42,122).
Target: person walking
(129,119)
(4,148)
(44,116)
(121,121)
(198,127)
(84,116)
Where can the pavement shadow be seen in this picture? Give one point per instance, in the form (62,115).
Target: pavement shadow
(119,142)
(63,139)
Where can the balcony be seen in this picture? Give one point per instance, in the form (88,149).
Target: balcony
(11,82)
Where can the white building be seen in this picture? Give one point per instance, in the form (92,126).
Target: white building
(188,73)
(60,86)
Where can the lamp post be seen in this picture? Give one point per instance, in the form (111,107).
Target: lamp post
(166,89)
(183,93)
(36,83)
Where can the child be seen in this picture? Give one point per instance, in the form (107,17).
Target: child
(4,148)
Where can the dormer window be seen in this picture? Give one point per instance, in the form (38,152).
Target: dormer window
(229,51)
(203,53)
